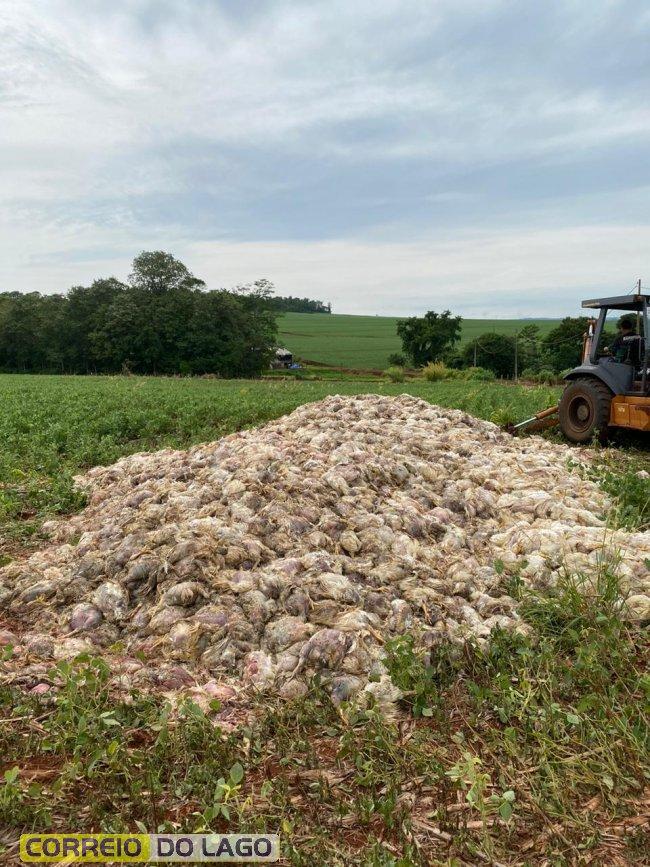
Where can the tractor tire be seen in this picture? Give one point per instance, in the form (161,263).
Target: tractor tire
(584,410)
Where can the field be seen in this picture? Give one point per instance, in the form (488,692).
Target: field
(531,751)
(367,341)
(52,427)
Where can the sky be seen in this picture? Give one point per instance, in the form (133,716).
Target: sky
(387,156)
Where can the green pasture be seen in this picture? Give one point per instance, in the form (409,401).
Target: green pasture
(367,341)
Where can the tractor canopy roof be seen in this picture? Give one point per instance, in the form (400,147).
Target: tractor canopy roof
(619,302)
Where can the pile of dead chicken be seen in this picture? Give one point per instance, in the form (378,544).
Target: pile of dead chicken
(305,545)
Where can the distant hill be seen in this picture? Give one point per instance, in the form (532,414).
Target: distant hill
(366,341)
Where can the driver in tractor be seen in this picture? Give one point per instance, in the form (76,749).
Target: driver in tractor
(621,344)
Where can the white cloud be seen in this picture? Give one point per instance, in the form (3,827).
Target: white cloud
(544,273)
(128,124)
(507,274)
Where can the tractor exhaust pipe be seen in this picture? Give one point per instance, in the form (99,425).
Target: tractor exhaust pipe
(588,340)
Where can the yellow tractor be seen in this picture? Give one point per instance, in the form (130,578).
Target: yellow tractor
(608,389)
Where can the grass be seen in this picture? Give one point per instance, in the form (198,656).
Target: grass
(624,475)
(320,372)
(533,749)
(52,427)
(367,341)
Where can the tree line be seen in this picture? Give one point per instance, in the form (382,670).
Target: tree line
(291,304)
(436,337)
(162,320)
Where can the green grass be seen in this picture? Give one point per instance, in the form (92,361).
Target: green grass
(52,427)
(624,476)
(335,374)
(367,341)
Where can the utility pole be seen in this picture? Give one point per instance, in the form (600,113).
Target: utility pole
(516,357)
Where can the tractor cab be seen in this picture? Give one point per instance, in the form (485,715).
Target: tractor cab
(626,371)
(610,388)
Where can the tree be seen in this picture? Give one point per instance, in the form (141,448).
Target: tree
(562,346)
(494,352)
(83,321)
(158,272)
(30,332)
(229,345)
(428,337)
(128,336)
(261,290)
(260,328)
(161,322)
(529,351)
(299,305)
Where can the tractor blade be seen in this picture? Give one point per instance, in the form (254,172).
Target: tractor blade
(541,421)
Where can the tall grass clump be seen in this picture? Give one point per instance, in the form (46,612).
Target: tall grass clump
(435,371)
(629,487)
(541,377)
(395,374)
(478,373)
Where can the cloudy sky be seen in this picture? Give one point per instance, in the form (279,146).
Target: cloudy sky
(389,156)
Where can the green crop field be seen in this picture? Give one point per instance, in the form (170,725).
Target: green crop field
(53,426)
(367,341)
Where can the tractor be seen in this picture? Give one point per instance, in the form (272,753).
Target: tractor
(606,391)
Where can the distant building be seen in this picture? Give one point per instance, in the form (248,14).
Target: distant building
(283,358)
